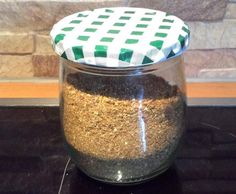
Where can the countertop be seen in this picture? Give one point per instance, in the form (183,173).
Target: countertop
(33,158)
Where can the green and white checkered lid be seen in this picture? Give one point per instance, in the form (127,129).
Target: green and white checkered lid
(120,37)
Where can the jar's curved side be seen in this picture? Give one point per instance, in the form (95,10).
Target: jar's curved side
(126,127)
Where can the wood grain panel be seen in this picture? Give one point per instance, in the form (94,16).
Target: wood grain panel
(51,90)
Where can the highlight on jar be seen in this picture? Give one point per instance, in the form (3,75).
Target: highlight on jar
(122,91)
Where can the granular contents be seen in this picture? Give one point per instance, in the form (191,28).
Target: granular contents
(133,122)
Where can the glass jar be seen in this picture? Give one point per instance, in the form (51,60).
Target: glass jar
(122,90)
(123,125)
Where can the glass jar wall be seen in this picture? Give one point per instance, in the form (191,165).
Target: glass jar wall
(123,125)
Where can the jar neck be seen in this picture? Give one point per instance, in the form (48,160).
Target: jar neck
(121,71)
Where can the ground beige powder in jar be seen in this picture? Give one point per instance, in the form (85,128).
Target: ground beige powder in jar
(133,122)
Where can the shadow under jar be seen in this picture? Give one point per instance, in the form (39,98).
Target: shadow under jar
(123,126)
(122,97)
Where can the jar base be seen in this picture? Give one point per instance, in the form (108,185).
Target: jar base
(122,171)
(128,182)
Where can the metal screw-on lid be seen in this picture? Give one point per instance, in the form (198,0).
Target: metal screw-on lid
(120,37)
